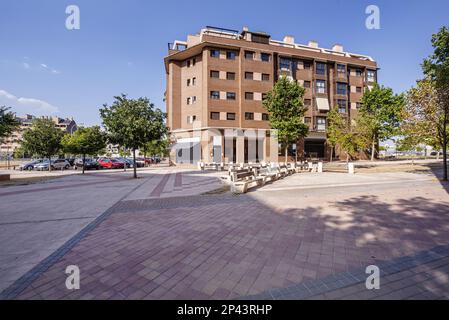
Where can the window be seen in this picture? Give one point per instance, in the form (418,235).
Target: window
(307,102)
(193,81)
(215,53)
(264,96)
(265,57)
(230,95)
(215,115)
(307,120)
(306,84)
(371,76)
(341,88)
(188,63)
(230,55)
(249,95)
(265,77)
(307,65)
(191,119)
(358,105)
(193,99)
(215,74)
(249,116)
(193,62)
(358,89)
(265,117)
(230,75)
(320,86)
(321,123)
(188,82)
(230,116)
(284,64)
(215,95)
(320,68)
(249,55)
(341,70)
(341,105)
(358,72)
(189,100)
(249,75)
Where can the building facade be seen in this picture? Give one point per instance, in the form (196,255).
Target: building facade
(12,142)
(217,79)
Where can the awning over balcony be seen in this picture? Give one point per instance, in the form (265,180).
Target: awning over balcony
(322,103)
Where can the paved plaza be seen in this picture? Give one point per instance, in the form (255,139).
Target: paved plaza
(167,236)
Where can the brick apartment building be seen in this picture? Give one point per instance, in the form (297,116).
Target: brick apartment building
(216,81)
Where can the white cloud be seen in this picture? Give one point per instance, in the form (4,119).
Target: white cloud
(27,105)
(43,65)
(51,70)
(26,65)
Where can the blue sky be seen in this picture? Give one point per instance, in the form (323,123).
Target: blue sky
(45,68)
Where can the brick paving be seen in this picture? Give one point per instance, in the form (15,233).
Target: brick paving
(228,247)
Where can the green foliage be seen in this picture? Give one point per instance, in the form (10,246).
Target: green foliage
(8,123)
(285,106)
(436,66)
(43,139)
(383,111)
(85,141)
(350,137)
(131,123)
(156,147)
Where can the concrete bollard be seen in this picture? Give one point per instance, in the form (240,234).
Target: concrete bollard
(320,167)
(351,169)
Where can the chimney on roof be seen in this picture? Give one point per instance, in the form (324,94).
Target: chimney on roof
(337,47)
(246,29)
(289,39)
(313,44)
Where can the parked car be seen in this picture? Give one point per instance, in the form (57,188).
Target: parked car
(128,163)
(55,165)
(434,153)
(107,163)
(29,165)
(88,165)
(140,162)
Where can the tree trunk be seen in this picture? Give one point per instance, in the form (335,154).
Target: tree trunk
(134,163)
(444,152)
(332,154)
(347,157)
(49,163)
(286,152)
(84,162)
(373,148)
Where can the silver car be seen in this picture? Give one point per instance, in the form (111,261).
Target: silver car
(55,165)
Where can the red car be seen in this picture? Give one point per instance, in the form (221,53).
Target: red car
(111,163)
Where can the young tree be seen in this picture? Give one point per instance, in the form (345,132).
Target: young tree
(42,139)
(285,106)
(436,69)
(336,127)
(381,111)
(8,123)
(349,136)
(84,141)
(131,123)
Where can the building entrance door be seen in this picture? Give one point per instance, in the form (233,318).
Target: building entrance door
(314,148)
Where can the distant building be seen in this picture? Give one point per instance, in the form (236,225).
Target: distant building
(13,142)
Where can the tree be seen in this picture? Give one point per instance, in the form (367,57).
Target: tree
(285,106)
(42,139)
(156,147)
(349,136)
(381,113)
(337,125)
(8,123)
(131,123)
(436,70)
(85,141)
